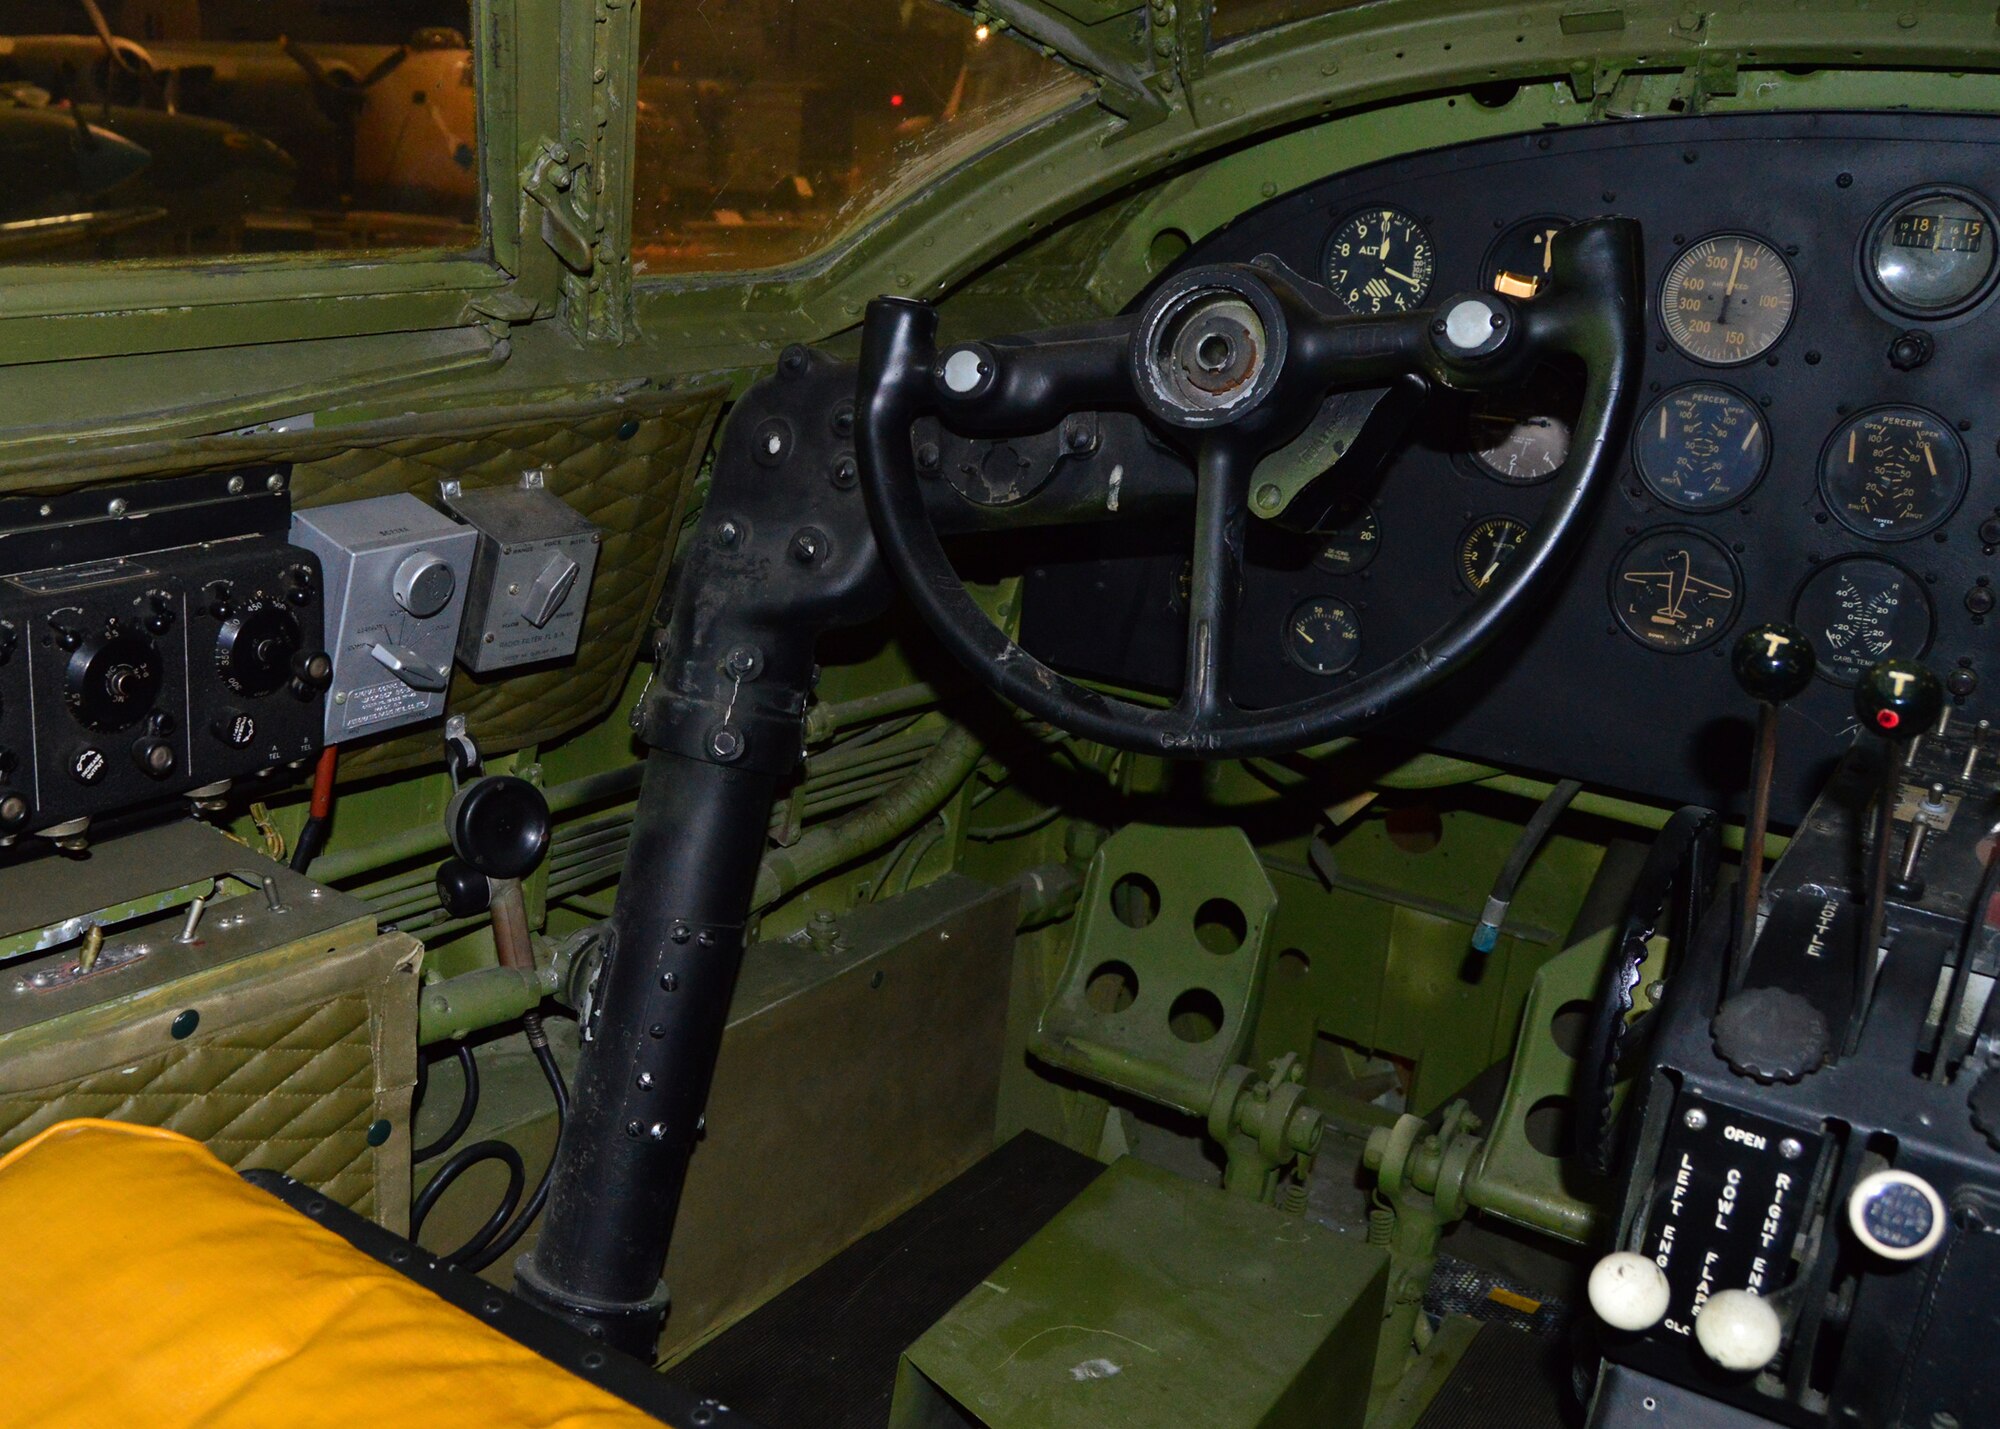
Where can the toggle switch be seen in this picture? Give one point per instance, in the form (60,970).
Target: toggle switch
(409,667)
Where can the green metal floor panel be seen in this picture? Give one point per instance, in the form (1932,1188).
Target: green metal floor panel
(1153,1301)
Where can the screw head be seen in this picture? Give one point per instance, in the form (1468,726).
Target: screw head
(1791,1149)
(725,742)
(727,535)
(808,546)
(681,933)
(1695,1119)
(645,1079)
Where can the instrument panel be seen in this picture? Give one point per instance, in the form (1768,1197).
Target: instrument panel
(1814,441)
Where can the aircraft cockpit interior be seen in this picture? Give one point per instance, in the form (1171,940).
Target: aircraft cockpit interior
(1030,714)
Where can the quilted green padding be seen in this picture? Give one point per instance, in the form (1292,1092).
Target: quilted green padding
(626,468)
(293,1092)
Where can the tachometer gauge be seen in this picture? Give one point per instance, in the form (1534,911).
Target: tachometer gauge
(1727,300)
(1351,546)
(1675,590)
(1701,447)
(1323,636)
(1862,609)
(1380,261)
(1893,473)
(1487,545)
(1930,254)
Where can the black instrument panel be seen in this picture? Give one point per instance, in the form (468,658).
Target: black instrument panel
(1815,440)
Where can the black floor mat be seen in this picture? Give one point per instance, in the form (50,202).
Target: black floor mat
(824,1352)
(1508,1379)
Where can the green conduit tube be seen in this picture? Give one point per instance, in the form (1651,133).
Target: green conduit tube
(827,846)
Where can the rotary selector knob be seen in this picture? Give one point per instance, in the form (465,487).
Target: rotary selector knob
(424,584)
(234,728)
(1739,1331)
(1897,1214)
(254,649)
(112,679)
(1629,1292)
(1771,1034)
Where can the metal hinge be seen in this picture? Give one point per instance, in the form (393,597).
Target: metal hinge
(553,181)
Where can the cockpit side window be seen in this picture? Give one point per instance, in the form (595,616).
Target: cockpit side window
(201,129)
(767,128)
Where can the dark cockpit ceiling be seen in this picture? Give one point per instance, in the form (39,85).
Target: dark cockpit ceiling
(1820,450)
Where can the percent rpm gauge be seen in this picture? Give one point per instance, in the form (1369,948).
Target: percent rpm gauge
(1893,474)
(1727,300)
(1380,261)
(1701,447)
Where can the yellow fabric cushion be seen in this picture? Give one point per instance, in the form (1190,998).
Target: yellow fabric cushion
(148,1287)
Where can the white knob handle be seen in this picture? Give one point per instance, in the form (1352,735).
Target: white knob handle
(1738,1331)
(1897,1214)
(1628,1291)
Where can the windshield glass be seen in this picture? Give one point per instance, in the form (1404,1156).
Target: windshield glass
(213,128)
(768,127)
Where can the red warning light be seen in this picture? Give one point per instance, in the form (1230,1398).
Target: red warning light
(895,101)
(1888,719)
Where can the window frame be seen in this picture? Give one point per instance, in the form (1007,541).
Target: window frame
(57,311)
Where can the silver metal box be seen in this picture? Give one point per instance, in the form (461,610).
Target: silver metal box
(530,576)
(396,577)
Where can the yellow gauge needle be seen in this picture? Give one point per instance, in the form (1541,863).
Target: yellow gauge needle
(1929,460)
(1404,276)
(1301,630)
(1734,269)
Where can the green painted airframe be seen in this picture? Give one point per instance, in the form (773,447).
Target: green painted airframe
(382,245)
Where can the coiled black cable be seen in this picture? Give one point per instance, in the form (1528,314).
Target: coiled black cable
(467,1105)
(499,1233)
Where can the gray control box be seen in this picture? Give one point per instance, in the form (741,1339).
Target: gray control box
(530,576)
(397,572)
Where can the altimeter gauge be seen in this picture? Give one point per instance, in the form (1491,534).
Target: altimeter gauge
(1380,261)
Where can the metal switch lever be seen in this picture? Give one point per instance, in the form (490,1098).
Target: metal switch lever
(408,666)
(550,590)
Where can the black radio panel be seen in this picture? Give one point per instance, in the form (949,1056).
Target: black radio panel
(154,640)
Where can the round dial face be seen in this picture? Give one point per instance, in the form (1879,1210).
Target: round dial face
(1893,473)
(1727,300)
(1323,636)
(1522,249)
(1351,546)
(1861,610)
(1675,590)
(1930,254)
(1379,261)
(1701,447)
(1487,545)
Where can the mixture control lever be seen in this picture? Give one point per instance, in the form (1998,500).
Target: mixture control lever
(499,831)
(1898,700)
(1773,663)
